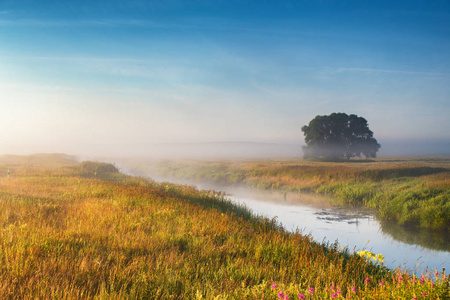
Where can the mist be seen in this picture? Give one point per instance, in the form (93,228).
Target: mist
(203,81)
(224,150)
(258,150)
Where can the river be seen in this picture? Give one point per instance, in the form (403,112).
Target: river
(356,229)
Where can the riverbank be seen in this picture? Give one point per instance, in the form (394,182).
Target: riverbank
(89,232)
(409,192)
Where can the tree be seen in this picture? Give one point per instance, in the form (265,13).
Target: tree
(339,136)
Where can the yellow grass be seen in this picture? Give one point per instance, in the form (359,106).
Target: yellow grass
(66,233)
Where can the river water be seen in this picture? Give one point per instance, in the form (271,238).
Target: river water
(356,229)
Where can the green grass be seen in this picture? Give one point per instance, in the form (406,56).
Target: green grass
(68,233)
(413,193)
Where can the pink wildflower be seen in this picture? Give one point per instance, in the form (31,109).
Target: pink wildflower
(381,284)
(422,280)
(353,289)
(436,274)
(367,280)
(273,286)
(334,295)
(281,295)
(311,291)
(424,294)
(301,296)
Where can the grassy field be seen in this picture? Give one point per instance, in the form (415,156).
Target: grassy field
(409,192)
(86,231)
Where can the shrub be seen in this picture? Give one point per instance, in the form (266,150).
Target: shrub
(94,169)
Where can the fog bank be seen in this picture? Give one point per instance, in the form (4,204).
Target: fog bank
(222,150)
(258,150)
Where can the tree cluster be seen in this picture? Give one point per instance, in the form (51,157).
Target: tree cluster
(339,136)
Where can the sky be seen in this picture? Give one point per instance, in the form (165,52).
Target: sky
(93,77)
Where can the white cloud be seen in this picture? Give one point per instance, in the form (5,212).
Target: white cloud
(105,23)
(372,70)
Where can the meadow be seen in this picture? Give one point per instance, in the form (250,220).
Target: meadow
(73,230)
(408,192)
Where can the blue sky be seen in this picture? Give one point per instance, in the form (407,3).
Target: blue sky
(83,76)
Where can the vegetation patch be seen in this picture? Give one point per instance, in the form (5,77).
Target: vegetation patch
(94,169)
(64,235)
(412,193)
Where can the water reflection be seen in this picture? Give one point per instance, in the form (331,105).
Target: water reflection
(417,236)
(354,229)
(340,215)
(430,239)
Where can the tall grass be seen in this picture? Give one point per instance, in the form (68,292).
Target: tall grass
(413,193)
(65,234)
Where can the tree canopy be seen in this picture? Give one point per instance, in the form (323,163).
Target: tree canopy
(339,136)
